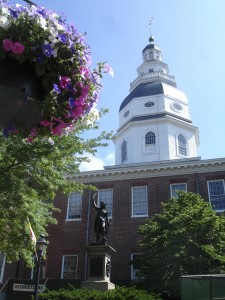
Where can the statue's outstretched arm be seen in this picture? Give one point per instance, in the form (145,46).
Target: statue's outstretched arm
(93,201)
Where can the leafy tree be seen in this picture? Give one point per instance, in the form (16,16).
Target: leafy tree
(30,175)
(187,238)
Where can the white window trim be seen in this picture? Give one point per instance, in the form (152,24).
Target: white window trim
(121,147)
(132,213)
(177,145)
(215,180)
(2,270)
(110,217)
(63,259)
(67,211)
(177,184)
(150,148)
(131,269)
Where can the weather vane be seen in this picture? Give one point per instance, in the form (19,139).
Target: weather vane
(150,25)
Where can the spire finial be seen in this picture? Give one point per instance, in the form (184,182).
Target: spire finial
(151,39)
(150,25)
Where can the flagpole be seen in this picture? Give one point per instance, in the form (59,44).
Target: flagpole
(30,2)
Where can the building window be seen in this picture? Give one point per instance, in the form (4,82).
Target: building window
(2,266)
(174,188)
(150,138)
(106,196)
(69,266)
(135,266)
(126,113)
(124,151)
(151,56)
(182,145)
(139,201)
(217,194)
(74,206)
(149,104)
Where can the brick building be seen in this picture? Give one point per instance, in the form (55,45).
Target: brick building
(123,187)
(156,155)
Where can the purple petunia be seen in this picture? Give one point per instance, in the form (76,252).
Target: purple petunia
(62,38)
(71,102)
(56,88)
(47,50)
(13,13)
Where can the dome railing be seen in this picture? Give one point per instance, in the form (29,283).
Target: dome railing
(144,77)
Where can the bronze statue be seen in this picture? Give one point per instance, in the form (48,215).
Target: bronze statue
(102,224)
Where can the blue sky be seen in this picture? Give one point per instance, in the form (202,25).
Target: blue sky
(191,35)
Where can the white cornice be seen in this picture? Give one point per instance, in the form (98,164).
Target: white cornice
(154,169)
(164,119)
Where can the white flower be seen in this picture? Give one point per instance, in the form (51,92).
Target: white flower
(42,22)
(53,31)
(55,52)
(59,27)
(4,22)
(52,39)
(5,11)
(51,142)
(54,15)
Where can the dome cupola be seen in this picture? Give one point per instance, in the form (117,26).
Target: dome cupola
(154,120)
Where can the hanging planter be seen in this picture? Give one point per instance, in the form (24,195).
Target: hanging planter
(20,93)
(46,83)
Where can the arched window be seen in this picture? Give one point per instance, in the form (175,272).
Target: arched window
(150,138)
(124,151)
(182,145)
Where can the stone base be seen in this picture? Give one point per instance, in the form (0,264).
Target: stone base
(98,285)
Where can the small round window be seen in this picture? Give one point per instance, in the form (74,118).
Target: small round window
(177,107)
(149,104)
(126,113)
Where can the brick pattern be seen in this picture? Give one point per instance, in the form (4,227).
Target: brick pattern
(72,237)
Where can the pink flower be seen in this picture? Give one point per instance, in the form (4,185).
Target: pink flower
(77,112)
(80,101)
(84,71)
(29,140)
(18,48)
(64,82)
(85,91)
(108,69)
(46,123)
(58,130)
(7,45)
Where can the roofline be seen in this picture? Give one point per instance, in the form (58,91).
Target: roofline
(154,116)
(151,169)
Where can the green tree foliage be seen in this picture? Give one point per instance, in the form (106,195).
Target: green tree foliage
(186,238)
(120,293)
(30,175)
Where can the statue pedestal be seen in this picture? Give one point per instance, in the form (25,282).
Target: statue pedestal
(99,267)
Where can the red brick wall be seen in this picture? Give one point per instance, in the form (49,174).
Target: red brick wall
(69,237)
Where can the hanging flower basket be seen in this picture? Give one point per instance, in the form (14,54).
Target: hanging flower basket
(46,82)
